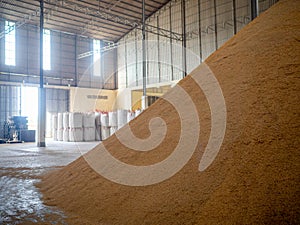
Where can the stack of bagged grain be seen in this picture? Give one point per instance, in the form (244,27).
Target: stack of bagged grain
(76,129)
(122,118)
(130,115)
(105,130)
(54,127)
(113,121)
(60,126)
(98,126)
(89,127)
(66,126)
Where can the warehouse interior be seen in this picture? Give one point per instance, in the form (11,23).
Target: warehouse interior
(93,53)
(76,73)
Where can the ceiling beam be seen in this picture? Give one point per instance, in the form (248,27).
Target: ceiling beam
(87,17)
(63,22)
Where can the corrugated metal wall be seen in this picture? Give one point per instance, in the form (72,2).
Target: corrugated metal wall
(11,103)
(57,100)
(65,67)
(208,25)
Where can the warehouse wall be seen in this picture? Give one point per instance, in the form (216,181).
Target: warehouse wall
(57,100)
(11,102)
(208,25)
(66,69)
(123,98)
(90,100)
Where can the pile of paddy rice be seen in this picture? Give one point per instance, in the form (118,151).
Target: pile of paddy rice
(254,178)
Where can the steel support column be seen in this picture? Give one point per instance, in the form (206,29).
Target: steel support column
(183,24)
(126,62)
(254,9)
(115,69)
(76,62)
(60,58)
(234,16)
(199,31)
(91,69)
(144,98)
(27,51)
(158,52)
(102,64)
(171,43)
(147,57)
(42,93)
(136,59)
(216,25)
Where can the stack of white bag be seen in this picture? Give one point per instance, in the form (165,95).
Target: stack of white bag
(79,127)
(89,127)
(130,116)
(138,112)
(76,131)
(122,118)
(105,130)
(113,122)
(60,127)
(54,127)
(98,126)
(66,126)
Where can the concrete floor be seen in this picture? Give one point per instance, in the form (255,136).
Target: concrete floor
(20,167)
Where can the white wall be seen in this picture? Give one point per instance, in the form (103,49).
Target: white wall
(87,100)
(123,99)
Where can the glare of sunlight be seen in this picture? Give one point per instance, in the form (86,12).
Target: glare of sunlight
(29,96)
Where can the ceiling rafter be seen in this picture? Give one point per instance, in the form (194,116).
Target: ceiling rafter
(94,18)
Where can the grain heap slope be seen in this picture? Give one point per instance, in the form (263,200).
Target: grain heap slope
(255,177)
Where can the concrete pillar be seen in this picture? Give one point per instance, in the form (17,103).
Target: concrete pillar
(41,131)
(144,102)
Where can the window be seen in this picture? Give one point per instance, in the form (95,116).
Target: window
(10,43)
(96,59)
(46,50)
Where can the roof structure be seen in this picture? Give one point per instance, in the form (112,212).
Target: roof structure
(100,19)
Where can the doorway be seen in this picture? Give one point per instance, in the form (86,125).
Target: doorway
(29,105)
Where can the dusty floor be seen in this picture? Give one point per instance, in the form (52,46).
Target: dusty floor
(20,168)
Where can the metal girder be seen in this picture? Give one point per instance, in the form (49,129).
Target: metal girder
(37,76)
(28,17)
(162,32)
(195,33)
(56,4)
(112,45)
(93,12)
(116,19)
(103,49)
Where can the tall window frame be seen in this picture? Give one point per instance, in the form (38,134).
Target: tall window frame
(10,43)
(46,49)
